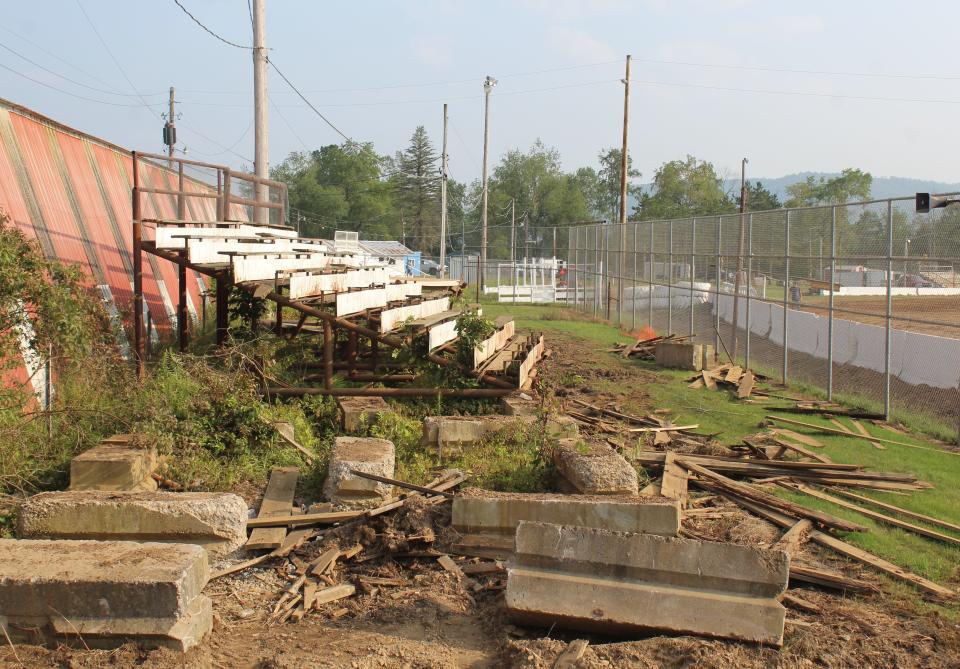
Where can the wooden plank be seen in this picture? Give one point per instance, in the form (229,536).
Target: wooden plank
(802,438)
(846,549)
(309,594)
(671,428)
(449,565)
(863,431)
(708,380)
(277,500)
(571,655)
(819,517)
(734,374)
(799,603)
(902,524)
(830,430)
(745,387)
(802,451)
(305,519)
(674,484)
(794,537)
(333,593)
(324,562)
(896,509)
(828,579)
(697,384)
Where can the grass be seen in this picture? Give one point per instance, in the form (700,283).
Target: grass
(731,419)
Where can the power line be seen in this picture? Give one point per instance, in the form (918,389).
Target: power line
(309,104)
(225,148)
(288,124)
(71,94)
(197,21)
(114,59)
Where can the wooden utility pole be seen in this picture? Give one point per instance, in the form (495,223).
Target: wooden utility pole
(513,230)
(170,135)
(261,158)
(738,277)
(623,189)
(488,84)
(443,198)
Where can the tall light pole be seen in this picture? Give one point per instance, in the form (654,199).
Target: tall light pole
(488,85)
(443,198)
(623,190)
(261,159)
(738,278)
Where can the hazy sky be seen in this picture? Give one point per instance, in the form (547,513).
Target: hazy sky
(793,86)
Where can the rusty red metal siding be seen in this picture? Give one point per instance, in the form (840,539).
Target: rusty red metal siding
(71,192)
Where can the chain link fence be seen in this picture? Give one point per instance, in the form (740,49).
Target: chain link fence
(861,300)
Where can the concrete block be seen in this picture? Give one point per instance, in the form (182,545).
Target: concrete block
(679,355)
(709,357)
(216,521)
(624,584)
(594,469)
(117,463)
(484,512)
(562,427)
(107,592)
(445,431)
(357,413)
(518,404)
(366,454)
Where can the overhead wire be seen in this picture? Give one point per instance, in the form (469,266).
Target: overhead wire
(70,93)
(309,104)
(222,39)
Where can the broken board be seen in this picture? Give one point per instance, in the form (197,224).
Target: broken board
(277,500)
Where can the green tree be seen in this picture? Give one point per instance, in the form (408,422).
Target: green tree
(759,198)
(606,197)
(852,184)
(418,190)
(683,188)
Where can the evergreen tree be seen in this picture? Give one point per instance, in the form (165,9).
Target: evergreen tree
(418,189)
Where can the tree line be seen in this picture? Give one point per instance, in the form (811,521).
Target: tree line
(350,186)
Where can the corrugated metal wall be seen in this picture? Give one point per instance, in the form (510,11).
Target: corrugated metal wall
(71,192)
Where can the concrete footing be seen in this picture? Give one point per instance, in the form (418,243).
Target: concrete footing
(621,584)
(365,454)
(358,413)
(591,469)
(216,521)
(682,355)
(483,513)
(117,463)
(104,593)
(444,432)
(519,404)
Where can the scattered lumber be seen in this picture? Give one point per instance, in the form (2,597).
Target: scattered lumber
(863,431)
(783,520)
(768,500)
(643,349)
(745,385)
(794,537)
(896,509)
(668,428)
(827,579)
(790,446)
(903,525)
(830,430)
(674,484)
(802,438)
(799,603)
(400,484)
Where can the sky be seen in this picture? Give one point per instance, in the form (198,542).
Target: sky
(813,86)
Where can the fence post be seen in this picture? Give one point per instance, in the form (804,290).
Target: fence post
(786,292)
(746,346)
(633,292)
(833,274)
(670,279)
(716,297)
(693,265)
(887,321)
(650,294)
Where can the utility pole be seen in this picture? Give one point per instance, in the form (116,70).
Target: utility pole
(623,190)
(443,198)
(170,131)
(261,158)
(488,84)
(513,230)
(738,278)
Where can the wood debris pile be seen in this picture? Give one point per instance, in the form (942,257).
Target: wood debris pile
(643,349)
(741,381)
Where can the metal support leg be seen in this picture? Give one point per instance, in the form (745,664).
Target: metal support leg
(327,355)
(223,314)
(182,316)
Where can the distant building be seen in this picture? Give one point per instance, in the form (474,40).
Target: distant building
(395,254)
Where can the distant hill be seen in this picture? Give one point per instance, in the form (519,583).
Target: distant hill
(882,186)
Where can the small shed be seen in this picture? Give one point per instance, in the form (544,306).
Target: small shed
(395,254)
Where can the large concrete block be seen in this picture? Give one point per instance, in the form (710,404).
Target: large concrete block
(484,512)
(445,431)
(365,454)
(216,521)
(117,463)
(518,404)
(679,355)
(593,469)
(105,592)
(617,583)
(356,413)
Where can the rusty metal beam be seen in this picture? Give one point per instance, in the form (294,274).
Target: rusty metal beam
(467,393)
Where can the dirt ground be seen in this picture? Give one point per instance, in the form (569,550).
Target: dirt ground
(941,309)
(428,619)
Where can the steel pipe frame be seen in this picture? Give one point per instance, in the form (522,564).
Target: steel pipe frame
(466,393)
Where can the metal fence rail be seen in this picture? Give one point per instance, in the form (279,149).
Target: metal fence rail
(858,299)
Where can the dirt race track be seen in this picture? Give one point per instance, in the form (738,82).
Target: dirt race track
(941,309)
(425,618)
